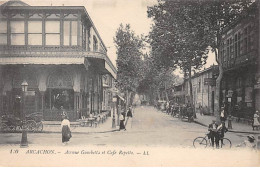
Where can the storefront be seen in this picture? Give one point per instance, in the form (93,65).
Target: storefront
(58,52)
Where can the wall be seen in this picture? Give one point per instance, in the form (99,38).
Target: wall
(202,94)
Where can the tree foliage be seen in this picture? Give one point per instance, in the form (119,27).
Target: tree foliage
(129,58)
(177,38)
(183,29)
(155,78)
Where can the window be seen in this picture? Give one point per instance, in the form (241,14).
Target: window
(228,49)
(70,32)
(224,51)
(239,82)
(231,48)
(34,32)
(246,40)
(95,44)
(3,33)
(17,33)
(236,46)
(239,44)
(52,29)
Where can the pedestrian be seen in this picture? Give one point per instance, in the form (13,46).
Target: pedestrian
(212,132)
(221,130)
(222,115)
(229,122)
(63,113)
(122,121)
(200,110)
(167,105)
(129,114)
(256,123)
(66,133)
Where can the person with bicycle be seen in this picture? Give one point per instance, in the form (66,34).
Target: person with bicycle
(212,135)
(221,130)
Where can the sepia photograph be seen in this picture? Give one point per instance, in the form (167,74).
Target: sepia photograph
(129,83)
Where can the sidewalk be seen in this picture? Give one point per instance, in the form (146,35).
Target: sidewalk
(236,127)
(55,127)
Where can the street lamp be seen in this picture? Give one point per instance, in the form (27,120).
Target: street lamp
(114,118)
(24,142)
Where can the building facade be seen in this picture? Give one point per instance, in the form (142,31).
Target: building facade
(203,88)
(59,53)
(239,53)
(108,92)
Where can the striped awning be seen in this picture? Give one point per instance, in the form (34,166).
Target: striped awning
(54,57)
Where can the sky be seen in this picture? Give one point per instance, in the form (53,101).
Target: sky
(107,16)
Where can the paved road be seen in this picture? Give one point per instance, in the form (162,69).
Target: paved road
(148,127)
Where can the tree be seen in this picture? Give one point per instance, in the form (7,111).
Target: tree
(177,37)
(211,17)
(218,15)
(128,61)
(155,78)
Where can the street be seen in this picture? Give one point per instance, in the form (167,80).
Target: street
(148,127)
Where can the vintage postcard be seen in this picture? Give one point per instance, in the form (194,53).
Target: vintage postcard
(129,83)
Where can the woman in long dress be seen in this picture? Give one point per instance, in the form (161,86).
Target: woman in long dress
(66,133)
(122,122)
(256,122)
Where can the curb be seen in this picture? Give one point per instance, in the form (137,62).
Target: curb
(114,130)
(234,131)
(107,131)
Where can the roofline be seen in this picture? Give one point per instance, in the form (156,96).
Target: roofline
(95,28)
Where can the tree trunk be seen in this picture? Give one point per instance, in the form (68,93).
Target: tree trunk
(191,92)
(218,88)
(151,95)
(159,96)
(165,91)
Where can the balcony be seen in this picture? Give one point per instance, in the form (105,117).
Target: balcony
(52,55)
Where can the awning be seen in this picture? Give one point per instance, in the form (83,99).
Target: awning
(54,57)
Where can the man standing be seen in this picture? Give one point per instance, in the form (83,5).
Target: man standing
(213,132)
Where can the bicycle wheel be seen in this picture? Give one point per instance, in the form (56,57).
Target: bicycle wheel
(31,125)
(200,142)
(39,127)
(225,143)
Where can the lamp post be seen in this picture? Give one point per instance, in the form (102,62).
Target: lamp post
(24,142)
(114,110)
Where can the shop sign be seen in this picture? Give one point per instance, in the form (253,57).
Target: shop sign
(257,86)
(30,93)
(209,81)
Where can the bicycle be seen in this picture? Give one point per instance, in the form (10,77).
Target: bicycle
(203,142)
